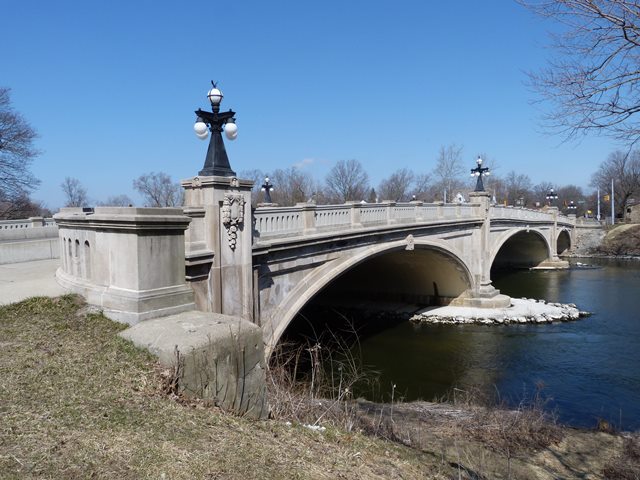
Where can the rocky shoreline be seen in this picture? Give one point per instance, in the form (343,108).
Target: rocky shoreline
(521,311)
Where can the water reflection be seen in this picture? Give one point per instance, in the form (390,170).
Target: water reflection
(590,368)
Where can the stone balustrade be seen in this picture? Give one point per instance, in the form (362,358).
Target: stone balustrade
(500,212)
(30,222)
(29,239)
(304,218)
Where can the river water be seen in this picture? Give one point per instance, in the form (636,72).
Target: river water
(587,370)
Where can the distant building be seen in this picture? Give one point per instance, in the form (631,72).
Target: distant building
(632,213)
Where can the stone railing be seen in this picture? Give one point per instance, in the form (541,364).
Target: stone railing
(499,212)
(26,223)
(273,222)
(29,239)
(583,222)
(304,218)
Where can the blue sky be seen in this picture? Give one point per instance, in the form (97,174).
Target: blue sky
(111,87)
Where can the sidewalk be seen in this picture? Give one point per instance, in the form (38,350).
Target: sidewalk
(29,279)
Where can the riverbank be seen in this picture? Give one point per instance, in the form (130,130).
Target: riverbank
(78,401)
(521,310)
(618,241)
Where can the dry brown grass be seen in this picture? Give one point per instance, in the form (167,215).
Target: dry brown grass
(621,241)
(625,466)
(473,440)
(77,401)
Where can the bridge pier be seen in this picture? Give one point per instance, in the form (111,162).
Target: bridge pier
(218,244)
(553,262)
(483,294)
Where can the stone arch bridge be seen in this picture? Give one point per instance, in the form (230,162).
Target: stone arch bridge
(418,253)
(265,264)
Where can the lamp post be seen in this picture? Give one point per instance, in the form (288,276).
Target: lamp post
(267,188)
(479,172)
(216,161)
(572,207)
(551,197)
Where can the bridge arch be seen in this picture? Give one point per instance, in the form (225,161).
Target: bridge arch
(563,242)
(448,260)
(520,248)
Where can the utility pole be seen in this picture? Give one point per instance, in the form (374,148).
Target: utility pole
(613,214)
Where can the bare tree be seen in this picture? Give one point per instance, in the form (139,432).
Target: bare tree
(75,194)
(16,154)
(593,81)
(292,185)
(23,207)
(397,186)
(518,188)
(422,187)
(571,193)
(158,190)
(257,176)
(540,191)
(117,201)
(347,180)
(449,170)
(624,169)
(372,197)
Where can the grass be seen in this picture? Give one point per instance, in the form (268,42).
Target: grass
(77,401)
(626,465)
(621,240)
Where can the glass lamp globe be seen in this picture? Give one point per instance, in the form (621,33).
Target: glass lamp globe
(201,129)
(231,130)
(215,96)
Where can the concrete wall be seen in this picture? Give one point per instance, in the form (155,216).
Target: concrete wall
(129,261)
(25,244)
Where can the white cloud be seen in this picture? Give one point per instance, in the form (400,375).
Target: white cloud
(305,162)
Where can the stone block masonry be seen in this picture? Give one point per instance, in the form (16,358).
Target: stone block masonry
(128,261)
(215,357)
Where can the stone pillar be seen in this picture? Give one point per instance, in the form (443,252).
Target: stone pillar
(553,262)
(390,205)
(483,293)
(128,261)
(308,217)
(37,221)
(574,234)
(355,214)
(219,261)
(418,210)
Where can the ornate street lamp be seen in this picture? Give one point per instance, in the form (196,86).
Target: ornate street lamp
(267,188)
(216,162)
(551,197)
(572,207)
(479,172)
